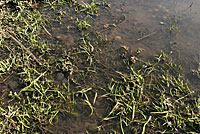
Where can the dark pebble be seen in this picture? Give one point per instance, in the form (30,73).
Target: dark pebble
(60,76)
(13,84)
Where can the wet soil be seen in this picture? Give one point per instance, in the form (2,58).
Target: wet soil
(145,25)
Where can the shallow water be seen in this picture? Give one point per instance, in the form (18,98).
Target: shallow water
(154,25)
(129,25)
(146,17)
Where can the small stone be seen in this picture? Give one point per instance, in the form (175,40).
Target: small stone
(118,38)
(66,38)
(106,26)
(125,48)
(60,76)
(162,23)
(118,10)
(60,37)
(13,84)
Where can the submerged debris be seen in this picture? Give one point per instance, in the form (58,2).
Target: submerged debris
(106,26)
(118,38)
(125,48)
(133,59)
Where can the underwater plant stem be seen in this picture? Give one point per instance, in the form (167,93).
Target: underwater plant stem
(148,35)
(46,31)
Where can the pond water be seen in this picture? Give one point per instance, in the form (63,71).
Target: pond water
(152,25)
(83,64)
(155,18)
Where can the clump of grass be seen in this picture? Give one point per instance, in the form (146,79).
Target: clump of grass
(154,98)
(32,106)
(151,98)
(82,25)
(88,8)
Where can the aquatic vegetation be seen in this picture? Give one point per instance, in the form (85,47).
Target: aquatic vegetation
(89,8)
(196,72)
(82,24)
(49,81)
(152,99)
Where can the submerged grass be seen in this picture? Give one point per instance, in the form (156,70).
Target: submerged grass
(154,98)
(38,83)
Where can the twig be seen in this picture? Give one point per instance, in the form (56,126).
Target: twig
(141,93)
(148,35)
(23,47)
(47,32)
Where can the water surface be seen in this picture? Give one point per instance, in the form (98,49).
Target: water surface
(154,25)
